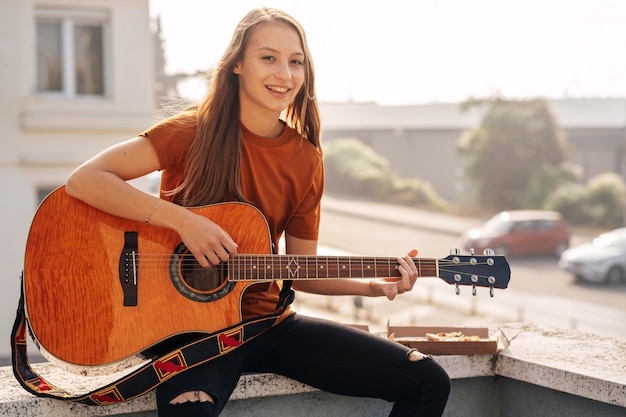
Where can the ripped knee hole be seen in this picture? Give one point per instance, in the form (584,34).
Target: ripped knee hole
(416,355)
(192,396)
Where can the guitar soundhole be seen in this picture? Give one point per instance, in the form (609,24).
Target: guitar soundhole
(195,282)
(199,278)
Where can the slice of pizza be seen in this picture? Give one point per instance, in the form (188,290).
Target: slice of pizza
(451,337)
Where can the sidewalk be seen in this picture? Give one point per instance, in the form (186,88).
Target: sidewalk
(424,219)
(402,215)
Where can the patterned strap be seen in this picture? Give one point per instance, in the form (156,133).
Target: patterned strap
(147,377)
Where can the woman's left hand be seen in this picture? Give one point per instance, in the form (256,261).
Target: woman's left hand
(391,287)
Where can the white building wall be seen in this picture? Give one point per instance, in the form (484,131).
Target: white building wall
(43,138)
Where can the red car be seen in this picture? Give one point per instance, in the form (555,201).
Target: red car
(520,232)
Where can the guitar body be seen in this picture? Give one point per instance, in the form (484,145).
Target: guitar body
(74,280)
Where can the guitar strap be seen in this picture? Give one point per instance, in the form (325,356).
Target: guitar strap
(148,376)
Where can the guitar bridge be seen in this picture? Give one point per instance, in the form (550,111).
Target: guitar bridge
(128,268)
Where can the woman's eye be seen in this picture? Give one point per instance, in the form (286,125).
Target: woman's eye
(269,58)
(296,62)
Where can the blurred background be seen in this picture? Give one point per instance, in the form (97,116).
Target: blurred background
(438,116)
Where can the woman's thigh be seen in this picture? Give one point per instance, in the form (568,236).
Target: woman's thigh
(342,359)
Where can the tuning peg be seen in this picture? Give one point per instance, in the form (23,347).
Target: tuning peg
(471,251)
(457,288)
(489,252)
(455,251)
(473,290)
(491,292)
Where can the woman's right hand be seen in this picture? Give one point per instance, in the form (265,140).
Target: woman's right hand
(207,242)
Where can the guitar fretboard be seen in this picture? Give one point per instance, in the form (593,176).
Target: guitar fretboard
(278,267)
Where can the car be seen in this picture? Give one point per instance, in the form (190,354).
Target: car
(603,260)
(520,232)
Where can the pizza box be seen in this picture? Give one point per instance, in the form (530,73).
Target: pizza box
(415,337)
(363,327)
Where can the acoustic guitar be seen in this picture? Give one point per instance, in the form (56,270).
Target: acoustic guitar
(100,289)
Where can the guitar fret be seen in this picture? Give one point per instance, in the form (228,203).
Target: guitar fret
(283,269)
(327,269)
(317,271)
(254,267)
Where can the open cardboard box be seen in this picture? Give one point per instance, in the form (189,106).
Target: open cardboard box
(415,337)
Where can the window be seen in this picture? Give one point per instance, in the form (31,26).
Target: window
(71,48)
(545,224)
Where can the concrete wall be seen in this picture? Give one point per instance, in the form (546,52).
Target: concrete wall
(543,372)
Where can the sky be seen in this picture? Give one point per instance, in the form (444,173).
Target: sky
(396,52)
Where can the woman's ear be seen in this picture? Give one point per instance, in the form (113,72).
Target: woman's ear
(237,69)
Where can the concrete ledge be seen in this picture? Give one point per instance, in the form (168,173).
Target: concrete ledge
(581,364)
(15,401)
(569,363)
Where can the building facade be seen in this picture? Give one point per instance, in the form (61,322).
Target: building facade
(419,141)
(76,77)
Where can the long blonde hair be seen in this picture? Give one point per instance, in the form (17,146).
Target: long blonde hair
(215,155)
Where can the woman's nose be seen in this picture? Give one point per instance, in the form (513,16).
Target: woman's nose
(283,71)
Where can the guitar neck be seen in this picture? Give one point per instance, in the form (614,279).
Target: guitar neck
(295,267)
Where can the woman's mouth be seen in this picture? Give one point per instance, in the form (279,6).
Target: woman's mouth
(277,89)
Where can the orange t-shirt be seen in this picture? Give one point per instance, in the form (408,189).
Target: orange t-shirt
(283,177)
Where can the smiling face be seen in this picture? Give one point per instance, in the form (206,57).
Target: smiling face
(271,71)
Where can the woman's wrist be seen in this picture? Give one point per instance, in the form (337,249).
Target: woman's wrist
(372,293)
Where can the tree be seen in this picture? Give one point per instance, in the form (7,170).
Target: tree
(355,169)
(515,140)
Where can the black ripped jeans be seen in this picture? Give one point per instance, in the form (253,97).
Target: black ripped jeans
(330,356)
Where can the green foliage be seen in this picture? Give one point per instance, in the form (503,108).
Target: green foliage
(571,201)
(547,179)
(600,203)
(355,169)
(515,140)
(606,197)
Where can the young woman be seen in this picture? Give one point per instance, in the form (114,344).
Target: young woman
(234,146)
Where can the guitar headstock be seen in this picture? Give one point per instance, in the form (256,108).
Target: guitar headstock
(476,271)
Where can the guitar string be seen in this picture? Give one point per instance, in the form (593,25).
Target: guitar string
(376,262)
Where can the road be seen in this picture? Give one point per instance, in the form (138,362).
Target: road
(538,292)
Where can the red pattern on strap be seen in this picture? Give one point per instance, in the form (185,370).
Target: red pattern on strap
(20,336)
(168,367)
(41,384)
(106,399)
(229,340)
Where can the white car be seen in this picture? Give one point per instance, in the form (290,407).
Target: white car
(602,260)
